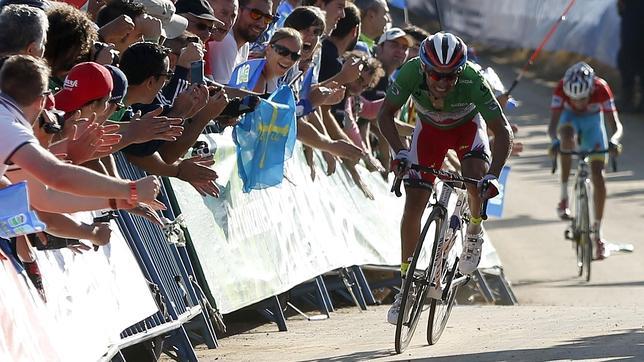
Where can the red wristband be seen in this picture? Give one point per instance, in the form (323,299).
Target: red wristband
(134,196)
(113,204)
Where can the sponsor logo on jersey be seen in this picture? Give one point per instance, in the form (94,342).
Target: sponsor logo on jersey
(444,118)
(395,90)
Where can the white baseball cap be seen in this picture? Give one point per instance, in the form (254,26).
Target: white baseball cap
(396,33)
(172,25)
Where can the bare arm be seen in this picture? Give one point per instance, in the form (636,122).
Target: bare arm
(64,226)
(555,114)
(332,126)
(503,138)
(46,199)
(172,151)
(310,136)
(154,164)
(613,122)
(387,125)
(66,177)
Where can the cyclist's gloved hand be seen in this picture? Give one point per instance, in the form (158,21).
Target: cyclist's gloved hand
(554,148)
(615,148)
(488,186)
(400,162)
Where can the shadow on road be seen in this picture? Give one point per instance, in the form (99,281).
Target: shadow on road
(518,222)
(605,285)
(358,356)
(627,345)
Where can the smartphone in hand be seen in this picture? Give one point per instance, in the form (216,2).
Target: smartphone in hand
(196,72)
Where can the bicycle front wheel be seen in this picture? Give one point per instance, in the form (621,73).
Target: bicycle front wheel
(439,310)
(415,287)
(584,225)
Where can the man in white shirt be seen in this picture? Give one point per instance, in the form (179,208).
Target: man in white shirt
(254,17)
(23,87)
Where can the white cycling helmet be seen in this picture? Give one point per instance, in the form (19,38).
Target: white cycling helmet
(578,81)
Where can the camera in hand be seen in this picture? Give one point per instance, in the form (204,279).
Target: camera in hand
(201,148)
(238,107)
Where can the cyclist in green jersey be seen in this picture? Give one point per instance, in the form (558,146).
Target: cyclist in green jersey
(455,105)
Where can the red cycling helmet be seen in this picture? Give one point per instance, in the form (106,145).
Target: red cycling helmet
(444,52)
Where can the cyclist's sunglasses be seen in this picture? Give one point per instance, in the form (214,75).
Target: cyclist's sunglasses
(436,76)
(285,52)
(257,14)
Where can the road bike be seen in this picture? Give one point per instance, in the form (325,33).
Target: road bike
(580,231)
(434,275)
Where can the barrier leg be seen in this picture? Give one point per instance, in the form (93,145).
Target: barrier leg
(364,285)
(483,286)
(319,295)
(325,293)
(271,309)
(353,288)
(118,357)
(180,344)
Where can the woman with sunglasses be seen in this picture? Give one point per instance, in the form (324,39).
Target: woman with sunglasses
(283,52)
(455,105)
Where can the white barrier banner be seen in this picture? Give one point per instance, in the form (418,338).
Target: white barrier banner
(94,296)
(591,27)
(27,331)
(256,245)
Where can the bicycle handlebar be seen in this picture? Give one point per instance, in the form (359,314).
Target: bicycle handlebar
(583,154)
(446,176)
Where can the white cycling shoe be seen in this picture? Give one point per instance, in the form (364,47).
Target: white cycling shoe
(394,310)
(471,255)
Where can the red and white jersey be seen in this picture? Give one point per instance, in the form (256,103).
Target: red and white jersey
(600,100)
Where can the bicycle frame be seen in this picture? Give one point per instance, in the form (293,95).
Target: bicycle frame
(448,234)
(438,269)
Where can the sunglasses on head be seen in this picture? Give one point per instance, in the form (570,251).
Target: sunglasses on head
(257,14)
(285,52)
(436,76)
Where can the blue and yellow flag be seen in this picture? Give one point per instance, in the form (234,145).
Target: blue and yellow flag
(265,139)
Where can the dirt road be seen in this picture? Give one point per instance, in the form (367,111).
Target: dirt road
(560,317)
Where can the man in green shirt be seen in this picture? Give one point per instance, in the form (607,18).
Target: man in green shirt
(454,105)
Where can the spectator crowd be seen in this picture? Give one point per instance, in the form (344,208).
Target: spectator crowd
(81,81)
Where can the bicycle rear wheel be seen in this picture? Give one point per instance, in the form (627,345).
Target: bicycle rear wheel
(415,288)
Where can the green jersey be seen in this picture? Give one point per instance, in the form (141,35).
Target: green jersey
(470,95)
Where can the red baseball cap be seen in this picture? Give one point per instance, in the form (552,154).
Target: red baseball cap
(86,82)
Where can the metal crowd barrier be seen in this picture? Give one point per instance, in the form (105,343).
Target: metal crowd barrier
(165,263)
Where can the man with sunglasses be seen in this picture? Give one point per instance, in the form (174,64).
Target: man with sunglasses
(454,105)
(201,19)
(254,18)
